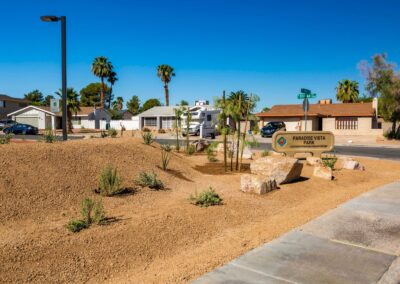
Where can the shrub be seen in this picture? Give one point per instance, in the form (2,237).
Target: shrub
(147,138)
(49,137)
(206,198)
(112,132)
(165,156)
(145,129)
(211,155)
(264,153)
(190,149)
(76,225)
(109,181)
(150,180)
(103,134)
(256,129)
(329,162)
(6,139)
(161,131)
(390,134)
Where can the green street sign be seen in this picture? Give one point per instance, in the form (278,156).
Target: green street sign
(305,91)
(308,96)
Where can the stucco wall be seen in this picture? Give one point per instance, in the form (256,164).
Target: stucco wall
(364,127)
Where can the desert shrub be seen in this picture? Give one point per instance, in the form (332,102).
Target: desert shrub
(390,134)
(112,132)
(145,129)
(161,131)
(190,150)
(76,225)
(255,129)
(103,134)
(109,181)
(6,139)
(165,156)
(49,137)
(329,162)
(264,153)
(206,198)
(147,138)
(211,155)
(150,180)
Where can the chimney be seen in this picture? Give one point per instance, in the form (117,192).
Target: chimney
(325,102)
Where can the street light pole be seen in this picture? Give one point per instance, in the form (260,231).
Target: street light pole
(63,20)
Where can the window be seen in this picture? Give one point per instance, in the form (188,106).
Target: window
(150,121)
(2,104)
(208,117)
(346,123)
(76,121)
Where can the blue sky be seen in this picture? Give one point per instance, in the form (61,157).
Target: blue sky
(270,48)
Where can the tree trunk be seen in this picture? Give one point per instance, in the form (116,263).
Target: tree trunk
(224,129)
(166,94)
(244,133)
(238,138)
(177,136)
(69,120)
(102,93)
(109,97)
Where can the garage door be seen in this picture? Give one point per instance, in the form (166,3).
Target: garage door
(34,121)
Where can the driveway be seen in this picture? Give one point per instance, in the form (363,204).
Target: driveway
(358,242)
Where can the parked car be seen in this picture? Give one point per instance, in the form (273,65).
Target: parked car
(4,123)
(21,129)
(272,127)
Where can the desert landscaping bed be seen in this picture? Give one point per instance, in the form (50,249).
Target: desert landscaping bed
(155,236)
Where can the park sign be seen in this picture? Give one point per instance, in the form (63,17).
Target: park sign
(292,142)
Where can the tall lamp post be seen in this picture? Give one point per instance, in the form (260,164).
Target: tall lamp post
(63,20)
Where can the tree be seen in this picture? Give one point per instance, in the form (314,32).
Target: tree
(72,104)
(118,104)
(133,105)
(383,82)
(102,68)
(112,78)
(46,101)
(347,91)
(265,109)
(165,73)
(184,103)
(150,103)
(35,97)
(90,95)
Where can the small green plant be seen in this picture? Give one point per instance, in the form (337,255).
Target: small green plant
(103,134)
(49,137)
(112,132)
(255,129)
(150,180)
(190,149)
(206,198)
(165,156)
(264,153)
(110,181)
(210,150)
(147,137)
(6,139)
(92,213)
(329,162)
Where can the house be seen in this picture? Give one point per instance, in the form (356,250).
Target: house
(158,117)
(339,118)
(43,118)
(9,104)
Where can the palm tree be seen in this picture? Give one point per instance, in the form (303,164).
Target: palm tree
(347,91)
(102,68)
(165,73)
(118,104)
(72,104)
(112,78)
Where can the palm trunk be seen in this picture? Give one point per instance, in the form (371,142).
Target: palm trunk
(102,93)
(224,129)
(244,133)
(238,138)
(177,137)
(166,94)
(69,119)
(109,97)
(231,151)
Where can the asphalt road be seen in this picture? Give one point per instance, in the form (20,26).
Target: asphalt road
(382,152)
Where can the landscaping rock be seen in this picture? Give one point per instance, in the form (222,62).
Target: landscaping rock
(257,184)
(314,161)
(200,145)
(281,169)
(348,164)
(273,153)
(247,153)
(323,172)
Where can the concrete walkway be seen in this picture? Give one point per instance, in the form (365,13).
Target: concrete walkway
(358,242)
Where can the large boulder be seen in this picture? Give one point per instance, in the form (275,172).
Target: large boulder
(281,169)
(323,172)
(257,184)
(200,145)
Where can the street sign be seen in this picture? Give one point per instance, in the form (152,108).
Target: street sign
(305,91)
(54,105)
(292,142)
(308,96)
(306,105)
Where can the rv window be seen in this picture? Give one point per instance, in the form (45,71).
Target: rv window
(208,117)
(203,114)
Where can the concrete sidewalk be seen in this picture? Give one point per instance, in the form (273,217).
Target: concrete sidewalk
(358,242)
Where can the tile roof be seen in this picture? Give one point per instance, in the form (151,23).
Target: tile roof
(8,98)
(323,110)
(159,111)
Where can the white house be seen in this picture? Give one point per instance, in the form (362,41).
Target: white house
(42,118)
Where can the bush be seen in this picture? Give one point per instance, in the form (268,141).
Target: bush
(161,131)
(145,129)
(49,137)
(110,181)
(112,132)
(92,213)
(390,134)
(256,129)
(211,155)
(264,153)
(76,225)
(6,139)
(207,198)
(165,156)
(103,134)
(329,162)
(147,138)
(150,180)
(190,150)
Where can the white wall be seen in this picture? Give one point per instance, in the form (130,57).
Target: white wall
(128,124)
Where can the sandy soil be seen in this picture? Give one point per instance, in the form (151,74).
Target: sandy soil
(158,237)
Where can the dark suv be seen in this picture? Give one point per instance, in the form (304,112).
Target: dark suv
(272,127)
